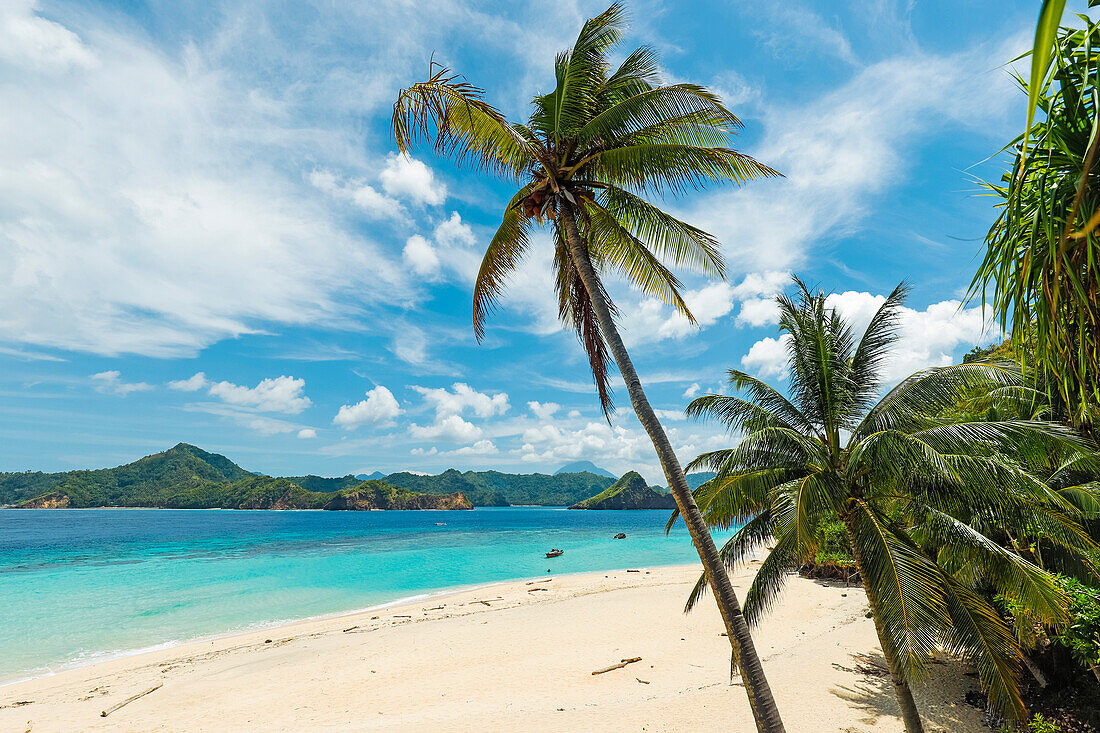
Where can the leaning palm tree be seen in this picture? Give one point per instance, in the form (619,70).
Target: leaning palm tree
(591,149)
(926,496)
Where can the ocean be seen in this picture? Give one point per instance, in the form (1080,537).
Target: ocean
(82,585)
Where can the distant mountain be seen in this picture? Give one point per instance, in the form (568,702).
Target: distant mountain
(584,467)
(695,480)
(186,477)
(493,488)
(629,492)
(370,476)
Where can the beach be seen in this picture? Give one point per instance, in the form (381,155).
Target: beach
(516,655)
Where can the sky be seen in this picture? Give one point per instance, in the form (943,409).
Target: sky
(206,234)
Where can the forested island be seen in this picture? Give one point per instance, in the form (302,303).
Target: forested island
(188,477)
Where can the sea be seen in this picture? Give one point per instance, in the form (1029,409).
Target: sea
(84,585)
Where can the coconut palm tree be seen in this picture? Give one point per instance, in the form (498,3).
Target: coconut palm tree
(591,151)
(908,480)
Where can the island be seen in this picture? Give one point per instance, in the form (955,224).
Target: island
(629,492)
(187,477)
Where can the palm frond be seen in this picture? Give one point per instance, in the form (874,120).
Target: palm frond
(504,253)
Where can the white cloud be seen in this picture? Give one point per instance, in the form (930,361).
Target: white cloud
(280,394)
(849,145)
(406,177)
(33,42)
(574,414)
(420,255)
(768,357)
(191,384)
(461,398)
(307,433)
(543,410)
(424,452)
(480,448)
(379,407)
(110,382)
(926,338)
(691,391)
(451,428)
(370,202)
(139,185)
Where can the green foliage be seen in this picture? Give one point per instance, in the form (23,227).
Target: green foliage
(1042,251)
(927,498)
(629,492)
(833,546)
(493,488)
(1082,634)
(186,477)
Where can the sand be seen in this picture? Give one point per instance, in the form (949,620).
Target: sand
(521,660)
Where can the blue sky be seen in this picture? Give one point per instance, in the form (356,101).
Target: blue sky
(206,236)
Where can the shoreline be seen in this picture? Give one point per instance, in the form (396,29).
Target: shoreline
(101,657)
(512,655)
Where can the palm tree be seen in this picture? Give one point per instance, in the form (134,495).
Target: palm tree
(909,482)
(589,152)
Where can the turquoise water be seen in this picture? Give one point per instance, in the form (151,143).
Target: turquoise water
(81,585)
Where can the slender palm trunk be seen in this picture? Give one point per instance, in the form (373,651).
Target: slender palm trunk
(910,715)
(737,629)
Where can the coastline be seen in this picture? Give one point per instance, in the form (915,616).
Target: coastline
(505,655)
(102,657)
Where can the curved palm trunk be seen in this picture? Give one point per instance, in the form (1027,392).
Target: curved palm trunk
(910,715)
(737,629)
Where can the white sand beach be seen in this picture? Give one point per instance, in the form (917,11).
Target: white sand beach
(516,656)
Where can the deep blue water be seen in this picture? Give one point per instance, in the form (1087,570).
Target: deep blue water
(79,585)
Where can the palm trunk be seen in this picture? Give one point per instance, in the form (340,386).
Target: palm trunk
(1095,670)
(761,701)
(910,715)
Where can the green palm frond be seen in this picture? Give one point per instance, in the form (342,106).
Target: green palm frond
(904,588)
(453,115)
(737,549)
(735,413)
(504,253)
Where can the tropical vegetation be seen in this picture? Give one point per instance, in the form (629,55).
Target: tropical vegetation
(1039,271)
(586,162)
(933,501)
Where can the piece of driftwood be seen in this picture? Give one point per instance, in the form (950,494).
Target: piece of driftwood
(644,682)
(622,663)
(532,590)
(633,571)
(546,580)
(128,700)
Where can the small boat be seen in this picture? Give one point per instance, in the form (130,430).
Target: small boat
(555,552)
(621,536)
(441,524)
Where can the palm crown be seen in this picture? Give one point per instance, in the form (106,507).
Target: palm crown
(925,497)
(599,141)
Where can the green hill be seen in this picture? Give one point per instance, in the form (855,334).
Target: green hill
(186,477)
(493,488)
(629,492)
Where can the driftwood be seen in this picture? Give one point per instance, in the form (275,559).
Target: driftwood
(633,571)
(622,663)
(532,590)
(546,580)
(128,700)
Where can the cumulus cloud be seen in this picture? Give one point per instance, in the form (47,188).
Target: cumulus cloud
(406,177)
(927,337)
(279,394)
(367,200)
(110,382)
(191,384)
(480,448)
(451,428)
(420,255)
(306,433)
(543,410)
(380,407)
(691,391)
(462,398)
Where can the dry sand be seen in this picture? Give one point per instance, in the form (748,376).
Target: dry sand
(522,660)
